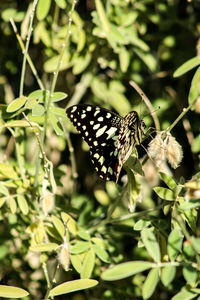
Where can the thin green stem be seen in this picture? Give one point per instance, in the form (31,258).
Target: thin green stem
(26,48)
(28,57)
(185,110)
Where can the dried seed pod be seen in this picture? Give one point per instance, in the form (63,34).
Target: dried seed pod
(64,256)
(174,152)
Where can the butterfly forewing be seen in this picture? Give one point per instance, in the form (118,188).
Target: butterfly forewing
(110,137)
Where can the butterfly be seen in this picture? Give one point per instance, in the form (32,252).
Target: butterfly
(111,138)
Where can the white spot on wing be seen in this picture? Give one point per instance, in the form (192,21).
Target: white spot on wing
(101,131)
(89,108)
(84,127)
(91,122)
(110,132)
(110,170)
(83,116)
(100,119)
(108,115)
(103,169)
(101,160)
(86,133)
(97,112)
(73,109)
(96,155)
(96,126)
(95,143)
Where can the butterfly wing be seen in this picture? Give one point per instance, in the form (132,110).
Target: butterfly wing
(100,129)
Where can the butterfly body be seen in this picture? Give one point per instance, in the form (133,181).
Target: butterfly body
(111,137)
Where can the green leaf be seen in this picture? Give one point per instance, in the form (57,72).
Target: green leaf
(151,244)
(124,59)
(16,104)
(84,235)
(125,270)
(12,205)
(88,264)
(196,144)
(102,197)
(141,224)
(61,3)
(174,246)
(2,201)
(168,180)
(3,189)
(193,203)
(51,64)
(58,225)
(58,96)
(164,193)
(42,9)
(184,294)
(147,58)
(71,224)
(72,286)
(56,124)
(79,247)
(81,63)
(150,283)
(38,110)
(30,103)
(194,89)
(187,66)
(190,274)
(101,253)
(8,171)
(44,247)
(23,205)
(60,112)
(7,291)
(76,262)
(20,123)
(167,275)
(41,95)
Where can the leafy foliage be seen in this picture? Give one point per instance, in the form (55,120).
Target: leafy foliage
(144,231)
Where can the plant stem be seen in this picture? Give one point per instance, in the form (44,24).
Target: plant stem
(147,102)
(185,110)
(28,57)
(26,48)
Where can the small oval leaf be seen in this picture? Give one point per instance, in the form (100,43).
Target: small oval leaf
(150,283)
(23,205)
(164,193)
(167,275)
(38,110)
(16,104)
(151,244)
(187,66)
(43,9)
(125,270)
(175,241)
(72,286)
(88,264)
(7,291)
(44,247)
(58,96)
(79,247)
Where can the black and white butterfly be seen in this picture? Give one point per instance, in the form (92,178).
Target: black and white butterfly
(111,137)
